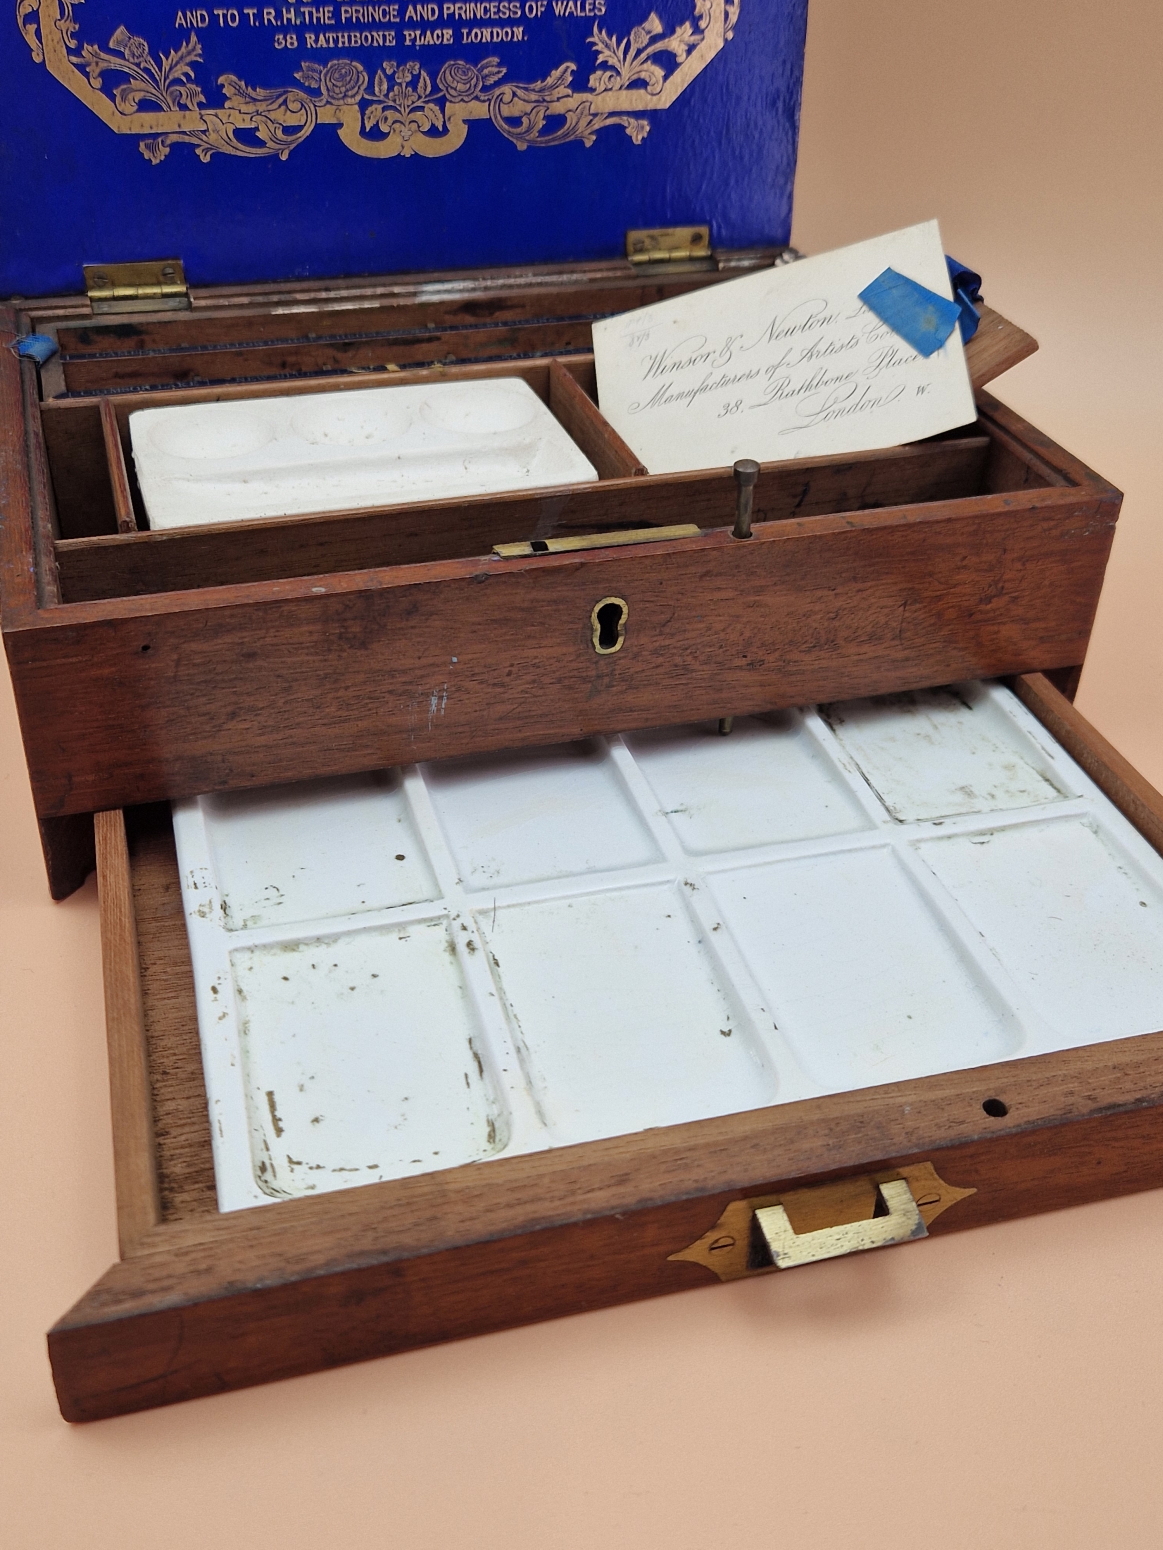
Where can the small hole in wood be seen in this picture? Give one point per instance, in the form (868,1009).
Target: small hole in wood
(608,624)
(145,647)
(995,1108)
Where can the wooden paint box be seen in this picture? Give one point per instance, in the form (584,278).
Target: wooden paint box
(153,665)
(975,555)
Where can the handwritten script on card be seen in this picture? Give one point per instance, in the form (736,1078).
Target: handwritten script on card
(785,363)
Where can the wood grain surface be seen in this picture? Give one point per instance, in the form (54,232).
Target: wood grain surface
(117,470)
(301,1285)
(220,554)
(70,856)
(176,1094)
(123,1348)
(43,528)
(134,1150)
(225,328)
(997,345)
(145,698)
(18,579)
(75,445)
(422,346)
(585,422)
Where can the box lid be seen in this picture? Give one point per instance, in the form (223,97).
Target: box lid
(371,136)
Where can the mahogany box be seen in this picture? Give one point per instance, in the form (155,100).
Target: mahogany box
(452,191)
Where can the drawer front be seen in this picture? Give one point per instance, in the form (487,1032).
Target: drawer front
(147,698)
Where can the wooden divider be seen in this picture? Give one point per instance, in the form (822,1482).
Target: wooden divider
(224,553)
(118,472)
(138,1206)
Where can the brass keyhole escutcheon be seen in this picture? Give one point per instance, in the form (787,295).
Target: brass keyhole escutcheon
(608,622)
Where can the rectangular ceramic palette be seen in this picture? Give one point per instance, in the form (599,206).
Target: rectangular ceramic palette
(277,457)
(419,968)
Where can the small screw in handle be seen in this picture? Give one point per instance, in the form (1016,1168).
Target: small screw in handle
(746,473)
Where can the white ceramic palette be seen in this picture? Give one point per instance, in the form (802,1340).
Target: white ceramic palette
(277,457)
(421,968)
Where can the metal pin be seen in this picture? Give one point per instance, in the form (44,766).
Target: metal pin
(746,473)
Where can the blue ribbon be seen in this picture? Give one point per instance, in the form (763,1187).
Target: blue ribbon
(967,294)
(37,347)
(920,316)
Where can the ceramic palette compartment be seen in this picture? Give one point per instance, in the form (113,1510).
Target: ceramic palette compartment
(493,956)
(276,457)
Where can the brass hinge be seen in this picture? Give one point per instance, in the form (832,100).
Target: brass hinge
(668,244)
(156,286)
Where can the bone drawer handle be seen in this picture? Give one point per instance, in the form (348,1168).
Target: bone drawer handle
(901,1222)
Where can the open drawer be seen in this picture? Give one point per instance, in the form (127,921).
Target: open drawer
(205,1300)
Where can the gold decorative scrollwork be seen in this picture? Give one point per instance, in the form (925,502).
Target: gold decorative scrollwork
(400,111)
(24,10)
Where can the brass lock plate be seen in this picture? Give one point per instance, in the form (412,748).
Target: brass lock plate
(777,1232)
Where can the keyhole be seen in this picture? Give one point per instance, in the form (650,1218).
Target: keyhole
(609,625)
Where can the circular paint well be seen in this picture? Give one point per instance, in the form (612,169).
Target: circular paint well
(480,409)
(347,422)
(205,434)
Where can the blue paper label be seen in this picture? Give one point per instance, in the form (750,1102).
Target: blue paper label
(921,317)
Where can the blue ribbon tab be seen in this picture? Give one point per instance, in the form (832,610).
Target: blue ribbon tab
(921,317)
(38,347)
(967,294)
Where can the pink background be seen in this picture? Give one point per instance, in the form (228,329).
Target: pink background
(998,1388)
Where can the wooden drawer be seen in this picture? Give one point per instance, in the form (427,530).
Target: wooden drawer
(203,1302)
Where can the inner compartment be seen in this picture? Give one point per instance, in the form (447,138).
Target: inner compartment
(274,457)
(92,469)
(545,948)
(367,325)
(101,551)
